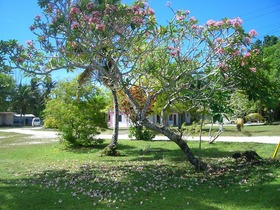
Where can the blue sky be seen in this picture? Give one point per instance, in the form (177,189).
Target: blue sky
(262,15)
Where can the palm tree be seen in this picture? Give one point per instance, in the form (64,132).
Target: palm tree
(21,99)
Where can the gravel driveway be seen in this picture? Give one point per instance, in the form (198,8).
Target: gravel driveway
(39,135)
(36,132)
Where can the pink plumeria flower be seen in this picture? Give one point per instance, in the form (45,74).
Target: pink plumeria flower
(192,18)
(75,25)
(210,23)
(253,33)
(257,51)
(38,17)
(248,54)
(247,40)
(100,27)
(253,69)
(218,40)
(219,23)
(150,11)
(194,27)
(187,12)
(180,17)
(168,4)
(29,42)
(220,51)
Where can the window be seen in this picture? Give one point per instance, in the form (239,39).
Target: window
(170,117)
(120,118)
(158,119)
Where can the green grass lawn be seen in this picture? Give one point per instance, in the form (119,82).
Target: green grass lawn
(148,175)
(262,130)
(230,130)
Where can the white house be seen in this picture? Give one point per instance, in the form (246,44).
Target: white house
(176,119)
(123,120)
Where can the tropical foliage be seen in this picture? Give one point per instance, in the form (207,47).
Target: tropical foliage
(181,62)
(78,112)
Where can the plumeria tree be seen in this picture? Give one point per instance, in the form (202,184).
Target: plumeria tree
(126,47)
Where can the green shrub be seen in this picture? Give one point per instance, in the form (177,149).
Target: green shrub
(83,135)
(254,117)
(190,130)
(77,113)
(141,133)
(50,122)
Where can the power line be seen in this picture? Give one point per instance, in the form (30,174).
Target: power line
(260,9)
(271,25)
(262,15)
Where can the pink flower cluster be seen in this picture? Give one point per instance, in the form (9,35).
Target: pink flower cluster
(220,51)
(90,5)
(192,19)
(256,51)
(33,27)
(93,18)
(74,25)
(180,17)
(247,54)
(168,4)
(218,40)
(214,23)
(75,10)
(174,51)
(137,20)
(37,17)
(222,66)
(247,40)
(100,27)
(210,23)
(253,33)
(110,8)
(253,69)
(236,22)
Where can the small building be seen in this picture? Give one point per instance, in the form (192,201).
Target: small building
(6,118)
(13,119)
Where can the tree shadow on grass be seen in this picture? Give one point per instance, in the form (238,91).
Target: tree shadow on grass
(143,184)
(177,155)
(95,148)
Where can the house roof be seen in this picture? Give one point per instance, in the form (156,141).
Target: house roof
(24,115)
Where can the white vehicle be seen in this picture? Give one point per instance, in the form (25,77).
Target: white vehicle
(36,121)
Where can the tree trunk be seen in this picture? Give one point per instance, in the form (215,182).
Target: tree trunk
(111,149)
(179,141)
(114,140)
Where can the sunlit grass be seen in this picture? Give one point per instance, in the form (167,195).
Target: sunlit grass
(262,130)
(147,175)
(230,130)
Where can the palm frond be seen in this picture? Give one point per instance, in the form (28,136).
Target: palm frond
(85,76)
